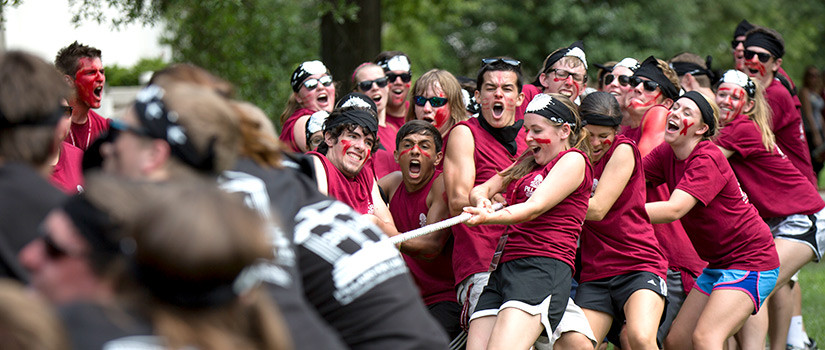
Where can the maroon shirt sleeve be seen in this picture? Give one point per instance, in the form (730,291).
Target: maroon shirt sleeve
(701,179)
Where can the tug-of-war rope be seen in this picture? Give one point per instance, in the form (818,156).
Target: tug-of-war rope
(455,220)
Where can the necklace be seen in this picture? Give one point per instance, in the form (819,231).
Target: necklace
(88,135)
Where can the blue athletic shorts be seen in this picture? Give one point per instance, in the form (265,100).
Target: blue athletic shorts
(758,285)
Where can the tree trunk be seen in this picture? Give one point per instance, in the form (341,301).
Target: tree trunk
(346,45)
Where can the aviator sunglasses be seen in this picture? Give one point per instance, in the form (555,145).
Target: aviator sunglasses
(312,83)
(405,77)
(509,61)
(367,84)
(434,101)
(649,85)
(624,80)
(763,57)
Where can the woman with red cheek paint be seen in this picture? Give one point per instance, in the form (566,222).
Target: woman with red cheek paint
(437,100)
(623,269)
(749,144)
(724,227)
(529,291)
(312,90)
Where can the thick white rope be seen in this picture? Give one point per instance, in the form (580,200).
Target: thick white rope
(455,220)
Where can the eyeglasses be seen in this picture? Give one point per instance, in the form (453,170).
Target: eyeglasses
(67,111)
(367,84)
(649,85)
(509,61)
(116,126)
(563,74)
(624,80)
(763,57)
(312,83)
(405,77)
(434,101)
(735,43)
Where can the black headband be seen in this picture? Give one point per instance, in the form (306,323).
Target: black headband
(601,119)
(354,116)
(650,69)
(742,28)
(183,292)
(556,111)
(47,119)
(704,107)
(161,123)
(303,72)
(767,42)
(92,223)
(575,49)
(357,99)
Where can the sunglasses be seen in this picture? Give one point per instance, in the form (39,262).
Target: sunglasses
(312,83)
(405,77)
(763,57)
(509,61)
(624,80)
(53,251)
(117,126)
(366,85)
(735,43)
(649,85)
(67,111)
(435,102)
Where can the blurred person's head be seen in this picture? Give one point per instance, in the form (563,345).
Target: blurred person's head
(694,72)
(437,99)
(312,88)
(30,94)
(182,129)
(737,45)
(617,81)
(83,70)
(27,322)
(764,48)
(498,90)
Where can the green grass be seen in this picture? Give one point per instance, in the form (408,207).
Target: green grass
(812,280)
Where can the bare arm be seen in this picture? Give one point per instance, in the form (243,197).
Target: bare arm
(390,182)
(320,175)
(616,174)
(653,129)
(381,215)
(459,168)
(725,151)
(429,245)
(807,113)
(299,132)
(675,208)
(560,182)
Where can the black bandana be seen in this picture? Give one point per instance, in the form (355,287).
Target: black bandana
(575,49)
(161,123)
(48,119)
(92,223)
(357,99)
(601,119)
(742,28)
(506,136)
(546,106)
(650,69)
(355,116)
(767,42)
(704,107)
(303,72)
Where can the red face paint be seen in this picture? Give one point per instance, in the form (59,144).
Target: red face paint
(442,114)
(688,124)
(736,105)
(635,103)
(756,64)
(347,144)
(543,141)
(89,78)
(416,147)
(607,142)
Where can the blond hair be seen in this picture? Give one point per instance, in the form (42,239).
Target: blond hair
(452,89)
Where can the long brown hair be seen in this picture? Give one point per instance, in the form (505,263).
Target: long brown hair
(577,139)
(762,117)
(452,89)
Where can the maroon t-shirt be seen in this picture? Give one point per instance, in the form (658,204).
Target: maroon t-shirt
(474,246)
(355,192)
(767,176)
(67,174)
(787,126)
(434,278)
(529,91)
(725,228)
(288,129)
(82,135)
(623,241)
(672,238)
(398,120)
(554,233)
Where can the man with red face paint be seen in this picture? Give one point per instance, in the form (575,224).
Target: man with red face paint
(397,67)
(478,149)
(564,72)
(83,71)
(764,48)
